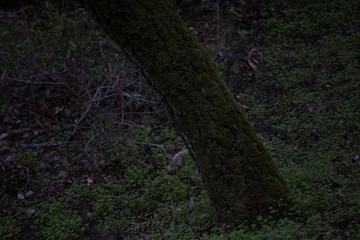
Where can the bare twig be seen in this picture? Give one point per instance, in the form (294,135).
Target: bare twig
(3,75)
(219,42)
(139,99)
(129,123)
(219,46)
(2,166)
(98,90)
(28,176)
(49,136)
(11,13)
(118,198)
(29,80)
(36,145)
(91,139)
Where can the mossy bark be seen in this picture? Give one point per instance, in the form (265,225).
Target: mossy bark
(240,176)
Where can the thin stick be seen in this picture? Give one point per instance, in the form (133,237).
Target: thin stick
(219,42)
(28,176)
(220,45)
(91,139)
(36,145)
(84,114)
(2,166)
(11,13)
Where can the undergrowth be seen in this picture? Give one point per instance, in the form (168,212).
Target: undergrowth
(87,153)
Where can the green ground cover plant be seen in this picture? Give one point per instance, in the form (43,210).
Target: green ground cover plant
(85,146)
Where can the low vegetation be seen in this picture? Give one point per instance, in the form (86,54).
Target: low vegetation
(86,151)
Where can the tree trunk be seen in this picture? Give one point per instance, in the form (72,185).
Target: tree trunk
(239,174)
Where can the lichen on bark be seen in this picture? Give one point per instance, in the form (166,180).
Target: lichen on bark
(239,174)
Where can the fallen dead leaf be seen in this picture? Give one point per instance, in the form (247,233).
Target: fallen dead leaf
(3,135)
(62,174)
(102,162)
(252,65)
(43,166)
(26,135)
(251,61)
(89,181)
(30,211)
(244,107)
(29,193)
(58,109)
(20,196)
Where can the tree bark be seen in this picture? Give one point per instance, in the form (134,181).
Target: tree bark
(239,174)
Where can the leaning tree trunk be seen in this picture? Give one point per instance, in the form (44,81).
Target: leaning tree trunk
(240,177)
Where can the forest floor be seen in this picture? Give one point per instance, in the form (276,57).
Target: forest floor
(86,151)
